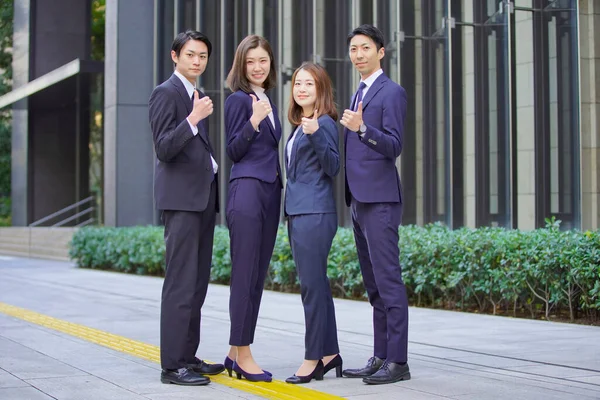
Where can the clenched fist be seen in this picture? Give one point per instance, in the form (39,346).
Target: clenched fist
(310,125)
(260,110)
(202,108)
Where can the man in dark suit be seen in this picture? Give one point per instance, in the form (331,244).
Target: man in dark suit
(185,190)
(373,138)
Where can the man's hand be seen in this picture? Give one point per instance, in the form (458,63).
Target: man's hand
(353,119)
(260,110)
(310,125)
(202,108)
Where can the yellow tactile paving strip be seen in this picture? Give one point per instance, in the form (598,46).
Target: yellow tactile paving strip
(273,390)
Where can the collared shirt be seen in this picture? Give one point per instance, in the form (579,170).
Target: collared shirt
(260,92)
(370,80)
(190,90)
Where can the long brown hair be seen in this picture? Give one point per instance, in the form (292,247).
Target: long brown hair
(237,79)
(325,103)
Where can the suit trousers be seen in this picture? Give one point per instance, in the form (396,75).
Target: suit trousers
(311,236)
(252,218)
(189,243)
(376,235)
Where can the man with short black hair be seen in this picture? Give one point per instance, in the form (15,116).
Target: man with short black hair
(373,136)
(186,192)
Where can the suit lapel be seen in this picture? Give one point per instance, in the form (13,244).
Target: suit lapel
(187,100)
(376,87)
(267,121)
(299,134)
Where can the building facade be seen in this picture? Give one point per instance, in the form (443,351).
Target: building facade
(503,123)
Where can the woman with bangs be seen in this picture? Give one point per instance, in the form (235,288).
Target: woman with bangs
(253,132)
(312,161)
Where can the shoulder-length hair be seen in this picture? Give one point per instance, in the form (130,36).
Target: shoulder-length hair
(237,79)
(325,103)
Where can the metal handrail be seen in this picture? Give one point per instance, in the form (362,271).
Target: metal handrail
(62,211)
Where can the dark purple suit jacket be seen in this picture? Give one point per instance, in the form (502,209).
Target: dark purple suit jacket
(254,154)
(184,169)
(371,174)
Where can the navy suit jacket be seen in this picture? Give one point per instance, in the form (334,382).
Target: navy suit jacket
(184,171)
(254,154)
(371,174)
(315,160)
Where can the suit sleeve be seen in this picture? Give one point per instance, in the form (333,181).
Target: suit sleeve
(325,143)
(389,142)
(239,131)
(168,136)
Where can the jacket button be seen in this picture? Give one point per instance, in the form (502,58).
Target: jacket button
(208,168)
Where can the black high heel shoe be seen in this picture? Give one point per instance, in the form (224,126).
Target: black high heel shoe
(317,374)
(228,364)
(336,362)
(239,373)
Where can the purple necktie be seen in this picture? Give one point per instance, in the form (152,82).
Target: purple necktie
(359,95)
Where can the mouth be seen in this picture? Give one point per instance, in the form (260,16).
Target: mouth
(361,64)
(258,76)
(302,97)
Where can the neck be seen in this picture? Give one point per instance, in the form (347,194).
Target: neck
(308,111)
(366,76)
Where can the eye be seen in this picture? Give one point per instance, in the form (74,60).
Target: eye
(296,83)
(203,57)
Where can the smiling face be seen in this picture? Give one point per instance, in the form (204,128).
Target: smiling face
(258,66)
(365,56)
(192,59)
(305,91)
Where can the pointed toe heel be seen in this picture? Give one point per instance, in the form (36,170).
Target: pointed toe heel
(317,374)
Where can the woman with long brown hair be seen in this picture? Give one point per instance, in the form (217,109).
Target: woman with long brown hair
(253,132)
(312,160)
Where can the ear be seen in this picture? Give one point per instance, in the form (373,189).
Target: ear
(174,56)
(381,53)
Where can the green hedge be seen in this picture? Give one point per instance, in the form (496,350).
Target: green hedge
(544,272)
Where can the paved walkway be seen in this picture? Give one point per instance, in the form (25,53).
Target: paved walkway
(451,355)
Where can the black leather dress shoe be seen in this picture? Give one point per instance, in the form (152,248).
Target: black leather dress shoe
(206,369)
(372,366)
(389,373)
(183,376)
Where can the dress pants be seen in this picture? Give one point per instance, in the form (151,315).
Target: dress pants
(252,218)
(376,235)
(311,236)
(189,243)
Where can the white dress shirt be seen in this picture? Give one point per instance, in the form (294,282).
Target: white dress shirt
(369,82)
(190,90)
(260,92)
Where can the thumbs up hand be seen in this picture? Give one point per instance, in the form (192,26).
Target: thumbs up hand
(310,125)
(260,110)
(353,119)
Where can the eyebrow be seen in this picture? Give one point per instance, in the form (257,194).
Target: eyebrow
(362,44)
(193,52)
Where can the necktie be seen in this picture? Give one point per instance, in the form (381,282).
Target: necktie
(359,95)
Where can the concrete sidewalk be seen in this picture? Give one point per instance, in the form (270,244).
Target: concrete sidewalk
(451,355)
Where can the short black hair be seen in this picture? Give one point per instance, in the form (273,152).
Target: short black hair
(370,31)
(182,38)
